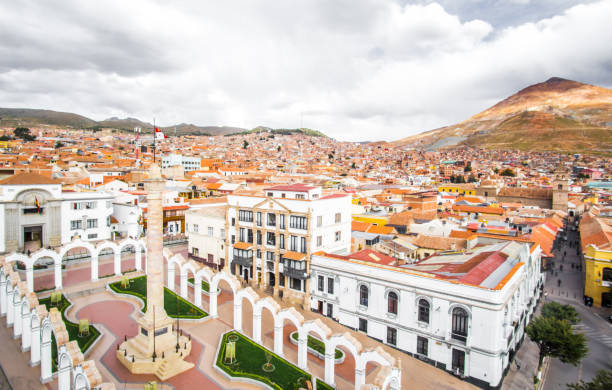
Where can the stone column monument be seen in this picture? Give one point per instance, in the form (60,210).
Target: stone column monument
(156,349)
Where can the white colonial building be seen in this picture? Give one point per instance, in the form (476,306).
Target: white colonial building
(464,313)
(35,213)
(206,235)
(272,236)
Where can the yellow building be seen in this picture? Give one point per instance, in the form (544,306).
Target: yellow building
(368,218)
(462,189)
(598,275)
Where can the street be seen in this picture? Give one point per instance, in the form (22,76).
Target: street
(597,330)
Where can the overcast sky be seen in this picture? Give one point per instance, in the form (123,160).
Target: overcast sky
(357,70)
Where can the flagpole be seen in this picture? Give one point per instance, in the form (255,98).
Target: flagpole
(154,136)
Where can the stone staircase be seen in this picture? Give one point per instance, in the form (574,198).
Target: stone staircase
(162,370)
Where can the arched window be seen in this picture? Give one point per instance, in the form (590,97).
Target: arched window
(607,275)
(460,324)
(392,303)
(363,295)
(424,311)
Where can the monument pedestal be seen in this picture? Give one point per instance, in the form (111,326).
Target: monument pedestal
(136,354)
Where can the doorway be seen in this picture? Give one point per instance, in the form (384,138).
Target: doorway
(320,308)
(245,273)
(271,279)
(32,238)
(458,361)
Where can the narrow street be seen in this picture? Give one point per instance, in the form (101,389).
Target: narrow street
(597,330)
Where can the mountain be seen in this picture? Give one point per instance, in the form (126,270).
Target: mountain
(558,114)
(29,117)
(13,117)
(261,129)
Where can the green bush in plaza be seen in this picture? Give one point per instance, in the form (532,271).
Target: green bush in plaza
(175,306)
(72,329)
(250,358)
(205,286)
(317,345)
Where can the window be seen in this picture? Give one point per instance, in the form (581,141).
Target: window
(92,223)
(338,236)
(211,231)
(330,310)
(319,221)
(330,285)
(271,219)
(303,244)
(281,221)
(363,325)
(271,239)
(391,336)
(258,237)
(296,284)
(320,283)
(297,222)
(338,217)
(242,235)
(233,238)
(270,194)
(319,241)
(281,241)
(258,254)
(293,241)
(222,235)
(392,303)
(424,311)
(270,256)
(245,215)
(108,221)
(92,236)
(258,218)
(299,196)
(460,321)
(195,251)
(233,221)
(196,228)
(606,275)
(363,295)
(422,345)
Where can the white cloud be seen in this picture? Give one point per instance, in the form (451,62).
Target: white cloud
(356,70)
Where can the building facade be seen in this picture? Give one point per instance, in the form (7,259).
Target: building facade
(451,318)
(272,237)
(206,235)
(37,213)
(187,162)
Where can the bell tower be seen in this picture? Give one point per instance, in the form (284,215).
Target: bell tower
(560,189)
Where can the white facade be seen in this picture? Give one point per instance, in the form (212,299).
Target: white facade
(496,317)
(57,218)
(206,234)
(189,163)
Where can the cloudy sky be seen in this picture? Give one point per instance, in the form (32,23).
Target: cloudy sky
(357,70)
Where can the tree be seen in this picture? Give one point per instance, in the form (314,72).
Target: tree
(353,165)
(278,148)
(496,170)
(472,179)
(561,312)
(330,156)
(245,144)
(59,144)
(556,338)
(508,172)
(5,138)
(24,134)
(602,381)
(468,168)
(583,176)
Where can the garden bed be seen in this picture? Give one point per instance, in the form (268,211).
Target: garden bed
(175,305)
(250,361)
(317,348)
(72,328)
(205,286)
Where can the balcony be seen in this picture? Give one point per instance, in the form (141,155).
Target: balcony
(295,273)
(462,338)
(244,261)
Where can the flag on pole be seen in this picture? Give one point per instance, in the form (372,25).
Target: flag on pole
(38,210)
(159,134)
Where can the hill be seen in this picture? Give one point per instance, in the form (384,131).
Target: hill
(14,117)
(261,129)
(558,114)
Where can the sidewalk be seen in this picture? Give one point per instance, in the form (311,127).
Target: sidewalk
(527,356)
(16,364)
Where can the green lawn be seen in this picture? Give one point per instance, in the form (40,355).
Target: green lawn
(205,285)
(250,357)
(323,386)
(71,328)
(176,306)
(317,345)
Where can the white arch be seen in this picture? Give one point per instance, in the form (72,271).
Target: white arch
(81,382)
(64,366)
(245,293)
(139,247)
(270,304)
(26,319)
(188,265)
(290,315)
(46,332)
(347,341)
(320,329)
(377,355)
(214,286)
(35,319)
(77,243)
(203,273)
(174,263)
